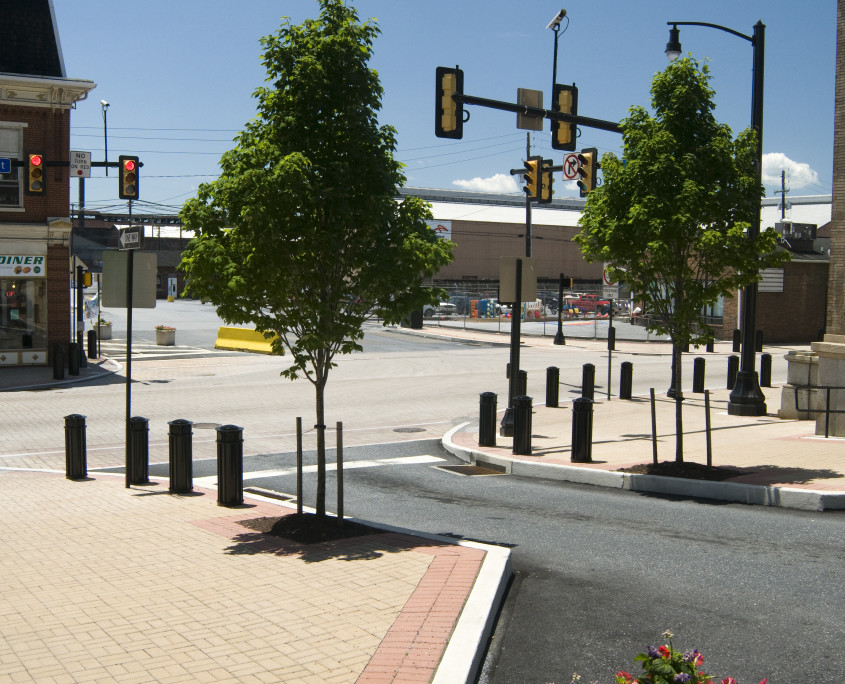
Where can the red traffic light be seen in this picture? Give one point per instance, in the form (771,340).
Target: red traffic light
(129,164)
(35,159)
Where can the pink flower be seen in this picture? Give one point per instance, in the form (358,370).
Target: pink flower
(728,680)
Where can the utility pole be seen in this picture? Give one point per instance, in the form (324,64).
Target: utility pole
(528,200)
(782,192)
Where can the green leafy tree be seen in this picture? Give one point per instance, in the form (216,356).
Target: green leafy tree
(301,235)
(671,218)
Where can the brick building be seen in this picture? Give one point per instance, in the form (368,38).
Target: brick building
(36,98)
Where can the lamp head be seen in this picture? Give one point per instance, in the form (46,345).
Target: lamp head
(104,103)
(555,23)
(673,47)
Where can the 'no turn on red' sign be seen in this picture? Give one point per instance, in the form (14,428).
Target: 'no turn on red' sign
(80,164)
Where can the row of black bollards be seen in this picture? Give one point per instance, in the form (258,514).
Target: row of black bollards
(75,359)
(582,425)
(229,456)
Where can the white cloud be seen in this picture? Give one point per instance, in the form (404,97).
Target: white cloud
(798,175)
(498,183)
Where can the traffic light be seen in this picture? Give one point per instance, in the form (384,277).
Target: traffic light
(86,278)
(128,188)
(564,99)
(532,177)
(588,169)
(448,114)
(35,174)
(546,180)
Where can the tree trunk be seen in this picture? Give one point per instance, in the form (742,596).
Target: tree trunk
(320,391)
(679,399)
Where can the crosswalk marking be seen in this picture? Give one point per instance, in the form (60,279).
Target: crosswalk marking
(211,480)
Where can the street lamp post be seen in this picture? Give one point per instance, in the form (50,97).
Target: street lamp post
(105,106)
(746,398)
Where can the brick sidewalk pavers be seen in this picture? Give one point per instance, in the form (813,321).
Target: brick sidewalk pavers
(104,583)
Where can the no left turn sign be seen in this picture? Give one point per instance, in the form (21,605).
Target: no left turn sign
(570,166)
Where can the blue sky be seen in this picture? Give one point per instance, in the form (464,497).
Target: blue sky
(179,76)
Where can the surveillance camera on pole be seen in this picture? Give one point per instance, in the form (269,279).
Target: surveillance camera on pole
(555,23)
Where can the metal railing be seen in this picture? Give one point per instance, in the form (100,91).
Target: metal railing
(827,410)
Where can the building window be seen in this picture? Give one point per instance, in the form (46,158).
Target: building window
(10,183)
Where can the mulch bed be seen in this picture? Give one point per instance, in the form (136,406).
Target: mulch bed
(689,471)
(308,528)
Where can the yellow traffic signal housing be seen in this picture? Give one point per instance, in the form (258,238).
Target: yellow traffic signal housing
(86,279)
(546,181)
(564,99)
(588,170)
(35,174)
(533,171)
(128,177)
(449,114)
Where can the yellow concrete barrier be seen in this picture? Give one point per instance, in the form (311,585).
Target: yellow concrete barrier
(243,339)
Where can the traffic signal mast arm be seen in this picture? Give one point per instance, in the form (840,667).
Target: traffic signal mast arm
(587,121)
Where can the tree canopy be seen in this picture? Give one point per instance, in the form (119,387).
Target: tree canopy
(671,217)
(302,235)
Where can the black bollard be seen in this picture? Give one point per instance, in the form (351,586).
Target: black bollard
(80,345)
(737,341)
(487,419)
(58,362)
(626,380)
(710,346)
(181,456)
(75,457)
(765,370)
(758,341)
(698,374)
(73,359)
(733,368)
(582,430)
(522,425)
(230,465)
(588,381)
(552,386)
(139,451)
(92,344)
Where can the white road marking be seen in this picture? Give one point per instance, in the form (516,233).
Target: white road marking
(347,465)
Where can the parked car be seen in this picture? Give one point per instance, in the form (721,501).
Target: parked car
(439,309)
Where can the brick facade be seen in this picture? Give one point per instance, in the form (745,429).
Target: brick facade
(47,132)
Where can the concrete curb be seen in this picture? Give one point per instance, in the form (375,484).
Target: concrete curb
(759,495)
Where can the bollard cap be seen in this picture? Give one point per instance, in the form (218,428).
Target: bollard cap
(488,394)
(228,428)
(582,400)
(180,421)
(138,419)
(523,399)
(75,416)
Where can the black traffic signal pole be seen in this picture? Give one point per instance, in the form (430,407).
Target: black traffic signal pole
(601,124)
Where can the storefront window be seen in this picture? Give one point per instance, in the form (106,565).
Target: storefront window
(23,313)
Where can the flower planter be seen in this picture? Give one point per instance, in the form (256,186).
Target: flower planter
(166,338)
(104,331)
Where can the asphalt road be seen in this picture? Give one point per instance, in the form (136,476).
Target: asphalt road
(600,574)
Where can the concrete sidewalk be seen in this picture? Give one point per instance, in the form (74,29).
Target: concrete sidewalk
(104,583)
(782,462)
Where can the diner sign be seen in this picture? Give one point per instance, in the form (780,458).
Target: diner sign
(22,265)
